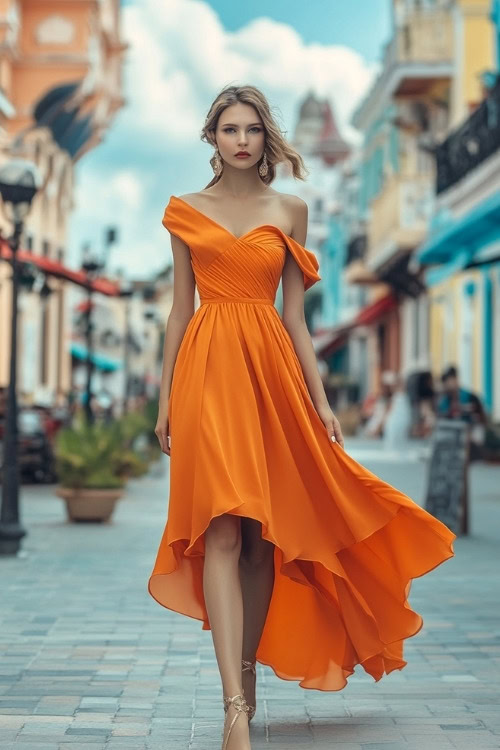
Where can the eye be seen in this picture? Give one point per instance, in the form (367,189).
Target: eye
(226,130)
(257,128)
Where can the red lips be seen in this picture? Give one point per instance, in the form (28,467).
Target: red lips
(242,153)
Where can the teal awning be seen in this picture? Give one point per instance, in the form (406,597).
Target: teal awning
(443,271)
(459,240)
(79,351)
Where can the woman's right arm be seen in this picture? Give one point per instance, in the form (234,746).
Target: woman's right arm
(180,314)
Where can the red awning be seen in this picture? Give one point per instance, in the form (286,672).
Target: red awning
(60,271)
(328,340)
(373,312)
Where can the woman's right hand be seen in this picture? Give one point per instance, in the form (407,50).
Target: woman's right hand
(162,432)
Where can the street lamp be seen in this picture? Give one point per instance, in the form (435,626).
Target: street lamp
(126,292)
(19,182)
(92,266)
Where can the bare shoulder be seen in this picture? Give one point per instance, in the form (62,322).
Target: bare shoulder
(295,207)
(296,210)
(189,197)
(293,202)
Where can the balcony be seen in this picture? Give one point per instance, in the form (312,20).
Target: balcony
(399,218)
(426,40)
(419,54)
(471,144)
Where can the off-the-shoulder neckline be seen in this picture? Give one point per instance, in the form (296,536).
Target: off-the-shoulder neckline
(228,231)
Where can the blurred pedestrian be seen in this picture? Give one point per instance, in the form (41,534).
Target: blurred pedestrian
(375,425)
(397,422)
(427,404)
(459,403)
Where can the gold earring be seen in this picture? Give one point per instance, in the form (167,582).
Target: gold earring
(217,165)
(264,167)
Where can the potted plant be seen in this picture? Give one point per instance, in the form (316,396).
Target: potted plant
(93,463)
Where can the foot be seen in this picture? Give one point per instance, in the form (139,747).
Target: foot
(236,733)
(249,680)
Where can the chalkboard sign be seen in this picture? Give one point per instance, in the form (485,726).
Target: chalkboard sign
(447,484)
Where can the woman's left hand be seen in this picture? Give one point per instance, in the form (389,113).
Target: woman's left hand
(332,425)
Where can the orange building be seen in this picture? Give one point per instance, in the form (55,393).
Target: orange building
(60,87)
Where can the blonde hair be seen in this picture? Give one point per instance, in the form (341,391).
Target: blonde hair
(276,147)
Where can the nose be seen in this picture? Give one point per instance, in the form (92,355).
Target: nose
(242,139)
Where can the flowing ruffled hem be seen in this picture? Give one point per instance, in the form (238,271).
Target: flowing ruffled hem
(176,584)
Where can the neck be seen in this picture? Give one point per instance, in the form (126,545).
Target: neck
(238,183)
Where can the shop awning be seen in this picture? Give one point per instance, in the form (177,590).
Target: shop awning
(376,310)
(101,361)
(460,239)
(328,340)
(60,271)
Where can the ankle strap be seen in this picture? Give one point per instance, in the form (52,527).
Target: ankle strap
(248,666)
(238,701)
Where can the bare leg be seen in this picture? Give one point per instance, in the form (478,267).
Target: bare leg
(257,581)
(223,599)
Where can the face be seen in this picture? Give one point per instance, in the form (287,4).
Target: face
(240,128)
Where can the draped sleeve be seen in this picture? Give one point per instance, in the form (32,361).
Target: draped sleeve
(306,260)
(176,221)
(180,220)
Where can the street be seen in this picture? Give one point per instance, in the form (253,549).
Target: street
(90,660)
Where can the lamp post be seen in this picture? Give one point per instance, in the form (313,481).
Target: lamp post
(19,183)
(149,295)
(126,292)
(91,266)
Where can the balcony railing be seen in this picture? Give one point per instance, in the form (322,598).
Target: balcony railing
(471,144)
(426,37)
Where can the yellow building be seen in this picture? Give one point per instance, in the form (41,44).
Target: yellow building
(60,87)
(429,82)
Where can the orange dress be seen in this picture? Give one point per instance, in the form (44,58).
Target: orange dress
(247,440)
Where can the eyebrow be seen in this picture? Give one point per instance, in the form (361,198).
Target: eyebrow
(235,126)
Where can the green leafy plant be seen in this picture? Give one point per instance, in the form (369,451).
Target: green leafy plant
(91,456)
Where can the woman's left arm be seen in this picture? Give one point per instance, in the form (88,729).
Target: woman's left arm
(295,323)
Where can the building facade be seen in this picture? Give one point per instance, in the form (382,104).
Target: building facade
(462,253)
(60,87)
(127,341)
(430,80)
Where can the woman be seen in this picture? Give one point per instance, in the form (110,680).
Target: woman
(280,543)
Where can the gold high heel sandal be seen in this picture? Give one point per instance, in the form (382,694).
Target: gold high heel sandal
(240,704)
(249,666)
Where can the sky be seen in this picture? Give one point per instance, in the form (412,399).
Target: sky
(181,53)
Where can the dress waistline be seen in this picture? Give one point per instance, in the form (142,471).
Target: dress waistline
(242,300)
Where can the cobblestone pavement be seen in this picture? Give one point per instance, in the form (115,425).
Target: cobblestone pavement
(88,660)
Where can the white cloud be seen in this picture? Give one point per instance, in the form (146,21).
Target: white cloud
(122,192)
(179,57)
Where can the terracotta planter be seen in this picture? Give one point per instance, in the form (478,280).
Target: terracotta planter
(88,504)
